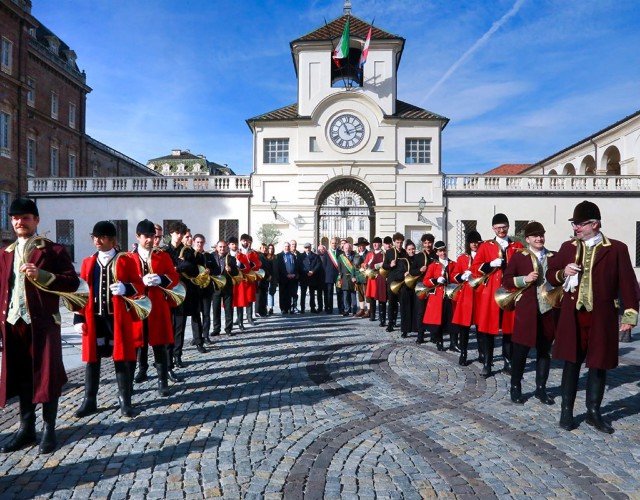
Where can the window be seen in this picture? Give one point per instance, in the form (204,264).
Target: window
(5,202)
(72,164)
(361,224)
(54,105)
(65,236)
(31,92)
(519,229)
(31,156)
(313,145)
(418,151)
(7,56)
(122,233)
(228,228)
(5,134)
(276,151)
(72,115)
(54,161)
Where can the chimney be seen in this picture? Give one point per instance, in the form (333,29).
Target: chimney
(346,11)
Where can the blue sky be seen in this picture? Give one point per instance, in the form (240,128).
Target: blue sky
(519,79)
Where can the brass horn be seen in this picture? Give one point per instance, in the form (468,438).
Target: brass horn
(506,299)
(219,281)
(422,290)
(476,282)
(370,273)
(139,306)
(237,279)
(553,296)
(411,281)
(203,279)
(73,301)
(451,290)
(383,272)
(176,295)
(395,286)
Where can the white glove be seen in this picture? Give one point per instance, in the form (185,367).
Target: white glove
(78,328)
(466,275)
(151,280)
(441,280)
(118,289)
(496,263)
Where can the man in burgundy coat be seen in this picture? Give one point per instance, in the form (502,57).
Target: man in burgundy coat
(594,272)
(32,367)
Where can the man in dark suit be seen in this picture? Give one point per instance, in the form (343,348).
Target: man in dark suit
(594,272)
(310,276)
(222,264)
(287,264)
(32,366)
(330,264)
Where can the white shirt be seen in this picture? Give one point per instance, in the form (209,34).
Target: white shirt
(503,243)
(105,257)
(593,241)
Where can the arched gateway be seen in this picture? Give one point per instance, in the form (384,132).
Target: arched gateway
(345,209)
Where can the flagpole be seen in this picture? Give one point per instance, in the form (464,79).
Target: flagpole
(333,48)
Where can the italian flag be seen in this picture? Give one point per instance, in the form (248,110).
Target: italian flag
(342,49)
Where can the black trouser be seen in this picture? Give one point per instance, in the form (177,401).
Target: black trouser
(314,290)
(407,309)
(220,298)
(420,307)
(392,306)
(159,351)
(328,297)
(17,353)
(520,352)
(288,289)
(340,298)
(261,302)
(205,308)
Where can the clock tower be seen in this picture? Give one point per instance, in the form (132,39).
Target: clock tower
(348,159)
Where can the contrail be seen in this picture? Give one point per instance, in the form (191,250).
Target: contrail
(474,48)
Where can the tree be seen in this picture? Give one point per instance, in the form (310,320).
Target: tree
(269,234)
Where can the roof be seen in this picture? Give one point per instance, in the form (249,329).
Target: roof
(404,111)
(184,155)
(592,136)
(509,169)
(357,27)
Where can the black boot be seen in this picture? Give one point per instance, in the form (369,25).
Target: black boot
(123,378)
(420,338)
(542,374)
(464,345)
(91,381)
(481,350)
(383,314)
(163,383)
(249,310)
(516,394)
(48,442)
(439,342)
(240,319)
(26,433)
(142,356)
(372,310)
(453,341)
(488,343)
(596,381)
(519,357)
(569,387)
(506,353)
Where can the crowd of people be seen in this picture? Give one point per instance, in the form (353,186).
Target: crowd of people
(565,303)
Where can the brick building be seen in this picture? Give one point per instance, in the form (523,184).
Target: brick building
(43,111)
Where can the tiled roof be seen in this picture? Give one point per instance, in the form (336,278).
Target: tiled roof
(509,169)
(184,155)
(357,27)
(404,110)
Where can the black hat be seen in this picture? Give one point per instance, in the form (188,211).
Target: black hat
(428,236)
(246,237)
(106,228)
(439,245)
(377,239)
(145,227)
(362,241)
(499,219)
(233,239)
(21,206)
(473,236)
(534,229)
(398,236)
(387,240)
(408,243)
(585,211)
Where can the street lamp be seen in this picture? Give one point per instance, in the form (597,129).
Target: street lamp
(274,205)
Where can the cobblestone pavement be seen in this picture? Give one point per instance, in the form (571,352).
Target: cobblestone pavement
(316,406)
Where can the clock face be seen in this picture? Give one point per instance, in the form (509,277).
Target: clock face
(347,131)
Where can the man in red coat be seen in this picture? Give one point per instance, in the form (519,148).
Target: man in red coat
(157,271)
(492,258)
(32,366)
(105,322)
(594,272)
(534,324)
